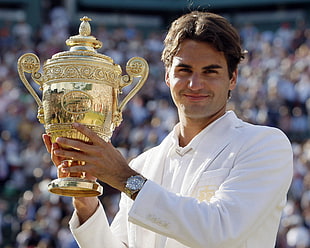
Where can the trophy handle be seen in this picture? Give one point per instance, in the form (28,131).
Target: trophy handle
(30,63)
(136,68)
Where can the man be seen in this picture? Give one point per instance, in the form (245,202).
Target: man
(215,181)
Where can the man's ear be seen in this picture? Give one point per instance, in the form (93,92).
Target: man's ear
(167,79)
(233,80)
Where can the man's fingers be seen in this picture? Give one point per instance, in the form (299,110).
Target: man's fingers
(47,142)
(94,138)
(61,172)
(66,170)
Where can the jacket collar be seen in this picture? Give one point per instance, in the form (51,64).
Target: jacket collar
(215,133)
(207,144)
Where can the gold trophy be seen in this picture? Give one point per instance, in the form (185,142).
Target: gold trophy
(81,85)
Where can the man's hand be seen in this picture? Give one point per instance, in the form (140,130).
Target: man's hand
(51,147)
(102,159)
(85,206)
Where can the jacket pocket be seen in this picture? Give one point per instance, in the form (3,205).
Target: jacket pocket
(209,182)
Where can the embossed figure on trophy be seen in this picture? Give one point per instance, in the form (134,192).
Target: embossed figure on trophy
(81,85)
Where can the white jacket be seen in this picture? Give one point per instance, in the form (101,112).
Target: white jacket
(233,198)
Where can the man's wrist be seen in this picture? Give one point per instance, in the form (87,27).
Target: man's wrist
(85,207)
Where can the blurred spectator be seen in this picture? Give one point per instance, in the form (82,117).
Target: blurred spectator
(22,32)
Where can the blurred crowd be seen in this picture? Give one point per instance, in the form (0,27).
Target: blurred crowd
(273,89)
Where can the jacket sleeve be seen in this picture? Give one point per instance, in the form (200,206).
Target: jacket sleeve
(95,232)
(255,187)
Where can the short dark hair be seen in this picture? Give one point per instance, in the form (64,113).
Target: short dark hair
(206,27)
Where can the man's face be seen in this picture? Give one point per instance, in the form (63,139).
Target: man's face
(199,81)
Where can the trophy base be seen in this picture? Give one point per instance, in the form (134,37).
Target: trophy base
(75,187)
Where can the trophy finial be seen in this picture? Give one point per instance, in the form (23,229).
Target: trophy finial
(84,41)
(85,29)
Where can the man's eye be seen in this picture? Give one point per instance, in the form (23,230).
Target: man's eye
(210,71)
(184,70)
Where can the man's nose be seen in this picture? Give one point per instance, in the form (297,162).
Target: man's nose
(195,82)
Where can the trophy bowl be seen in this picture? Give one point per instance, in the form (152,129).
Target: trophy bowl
(80,85)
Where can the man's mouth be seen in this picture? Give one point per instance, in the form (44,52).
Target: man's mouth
(196,97)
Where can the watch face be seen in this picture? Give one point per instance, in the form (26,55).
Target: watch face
(135,182)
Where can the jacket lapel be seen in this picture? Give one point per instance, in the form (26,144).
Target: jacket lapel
(214,140)
(154,164)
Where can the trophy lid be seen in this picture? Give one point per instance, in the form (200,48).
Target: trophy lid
(84,41)
(83,46)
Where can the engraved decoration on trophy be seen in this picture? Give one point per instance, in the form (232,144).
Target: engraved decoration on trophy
(81,85)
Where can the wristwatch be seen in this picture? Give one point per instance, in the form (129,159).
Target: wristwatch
(133,185)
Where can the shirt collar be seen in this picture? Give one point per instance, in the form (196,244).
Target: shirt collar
(193,144)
